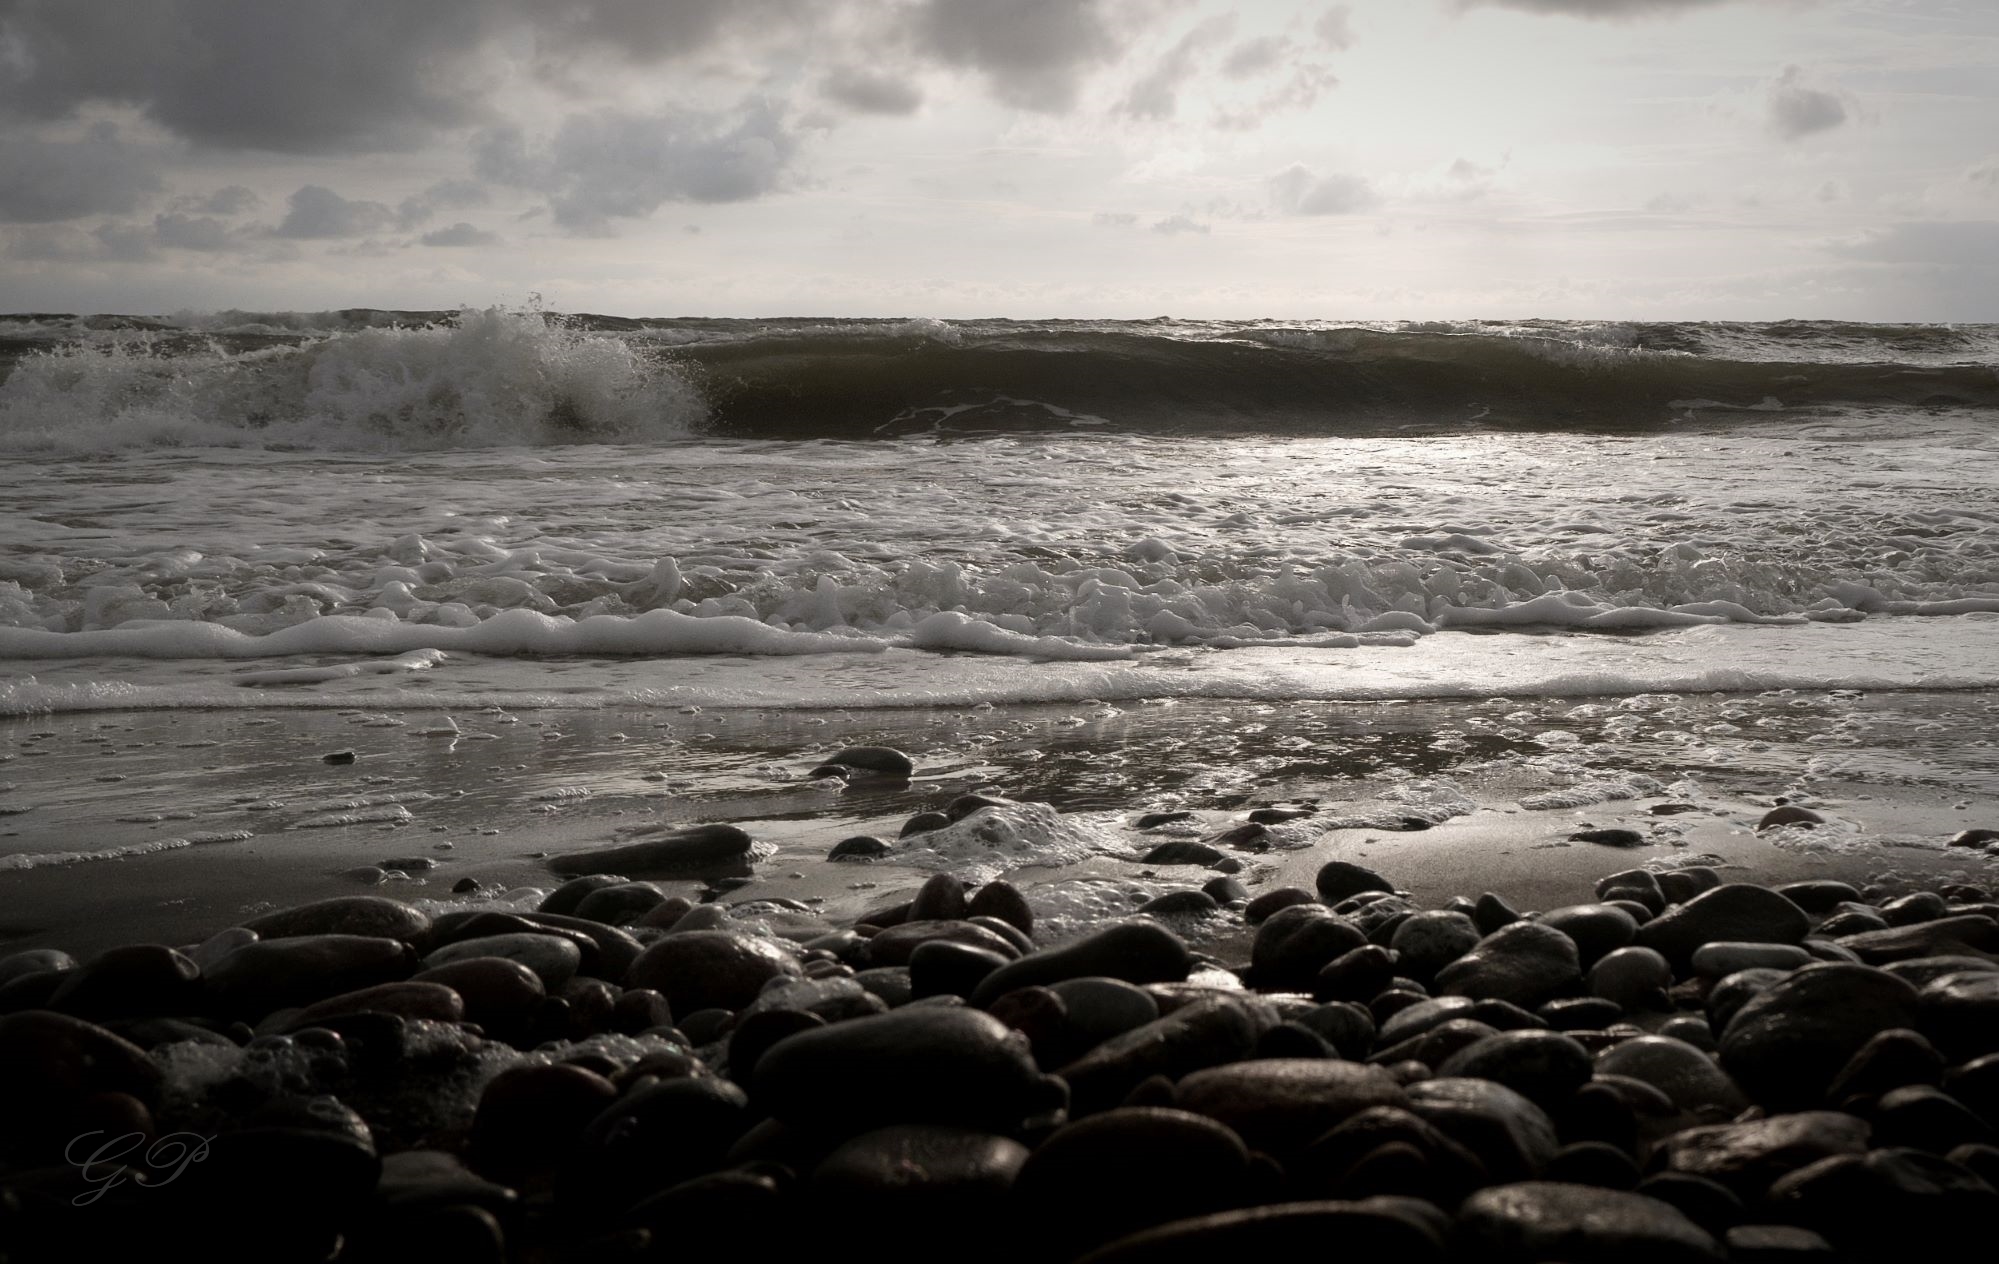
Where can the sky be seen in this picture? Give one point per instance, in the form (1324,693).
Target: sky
(1368,159)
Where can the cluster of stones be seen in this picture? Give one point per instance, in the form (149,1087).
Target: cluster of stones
(1681,1070)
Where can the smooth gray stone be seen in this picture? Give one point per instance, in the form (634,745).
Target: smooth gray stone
(695,851)
(1533,1221)
(1733,912)
(1719,960)
(1525,963)
(367,915)
(1686,1074)
(1785,1045)
(553,959)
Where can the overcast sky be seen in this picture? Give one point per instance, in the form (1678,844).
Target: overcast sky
(1375,158)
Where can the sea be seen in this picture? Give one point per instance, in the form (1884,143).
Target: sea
(552,578)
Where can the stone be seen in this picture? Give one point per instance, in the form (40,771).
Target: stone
(1789,814)
(1889,1205)
(1532,1221)
(1735,912)
(1960,1014)
(298,970)
(1153,820)
(1126,1169)
(1923,1117)
(608,951)
(1580,1013)
(893,946)
(1427,942)
(1721,959)
(1183,852)
(1279,1105)
(1405,1230)
(1509,1134)
(701,851)
(1709,1204)
(621,904)
(1596,928)
(1613,836)
(1819,895)
(409,999)
(1357,975)
(1202,1033)
(1917,906)
(710,969)
(650,1139)
(915,1065)
(1001,899)
(1682,1071)
(919,1177)
(1137,952)
(34,961)
(1545,1067)
(1186,903)
(859,847)
(1748,1157)
(1525,963)
(1785,1045)
(1293,944)
(1974,838)
(566,897)
(1639,885)
(1633,978)
(943,967)
(530,1115)
(553,958)
(1261,907)
(49,1065)
(137,980)
(1968,934)
(1099,1009)
(1348,1028)
(1775,1244)
(1225,890)
(1889,1060)
(1922,971)
(1596,1163)
(1339,879)
(883,761)
(368,915)
(923,823)
(941,898)
(1727,997)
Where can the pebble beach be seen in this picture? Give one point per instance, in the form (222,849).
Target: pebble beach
(1273,1028)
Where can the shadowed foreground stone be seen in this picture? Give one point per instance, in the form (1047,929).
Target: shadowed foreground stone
(696,851)
(1546,1220)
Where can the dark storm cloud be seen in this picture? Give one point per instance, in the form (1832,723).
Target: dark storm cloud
(231,199)
(194,232)
(44,181)
(1797,111)
(317,211)
(865,92)
(609,165)
(327,76)
(419,208)
(1596,8)
(1033,53)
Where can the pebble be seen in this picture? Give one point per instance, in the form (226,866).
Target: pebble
(1735,912)
(884,761)
(1597,929)
(1542,1220)
(1294,943)
(859,847)
(1720,959)
(1137,952)
(553,959)
(1525,963)
(370,915)
(1545,1067)
(701,851)
(1786,1043)
(1339,879)
(710,969)
(1279,1105)
(1097,1179)
(1685,1073)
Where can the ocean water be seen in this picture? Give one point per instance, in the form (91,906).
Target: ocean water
(439,514)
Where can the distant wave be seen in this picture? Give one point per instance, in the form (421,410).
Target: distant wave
(372,379)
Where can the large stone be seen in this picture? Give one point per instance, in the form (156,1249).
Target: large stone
(1512,1136)
(1682,1072)
(134,981)
(1431,940)
(1960,1014)
(431,1002)
(1294,943)
(1202,1033)
(1889,1206)
(1278,1105)
(1748,1157)
(1126,1169)
(650,1139)
(1404,1230)
(554,959)
(699,851)
(1525,963)
(895,944)
(276,973)
(1735,912)
(502,996)
(1596,928)
(1578,1224)
(710,969)
(1785,1045)
(1545,1067)
(1339,879)
(882,761)
(917,1065)
(1968,934)
(49,1063)
(918,1177)
(369,915)
(1136,952)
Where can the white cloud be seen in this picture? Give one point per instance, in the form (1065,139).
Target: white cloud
(1156,94)
(1114,219)
(1297,191)
(1615,9)
(1174,225)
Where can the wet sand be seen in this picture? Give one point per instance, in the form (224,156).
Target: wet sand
(489,795)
